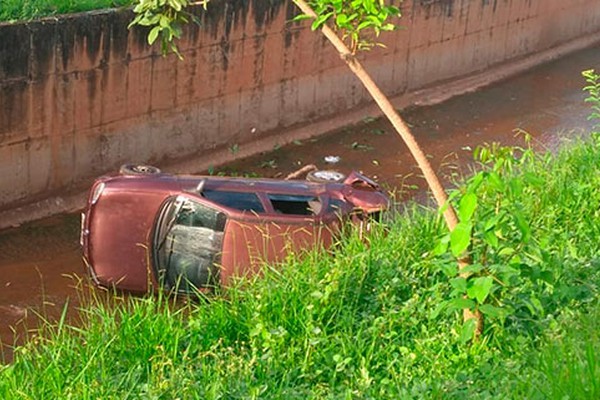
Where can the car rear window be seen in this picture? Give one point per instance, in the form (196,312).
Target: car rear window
(295,204)
(242,201)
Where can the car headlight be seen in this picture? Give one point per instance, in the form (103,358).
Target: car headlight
(97,192)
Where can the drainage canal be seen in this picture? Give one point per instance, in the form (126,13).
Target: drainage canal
(40,264)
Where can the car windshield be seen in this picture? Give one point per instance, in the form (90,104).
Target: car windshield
(188,244)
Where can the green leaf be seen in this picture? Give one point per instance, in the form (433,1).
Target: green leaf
(533,179)
(467,207)
(475,181)
(341,20)
(472,269)
(516,187)
(468,331)
(507,251)
(320,21)
(460,238)
(164,21)
(301,17)
(438,309)
(460,303)
(547,276)
(534,305)
(363,25)
(460,284)
(522,225)
(491,310)
(257,330)
(495,181)
(506,271)
(154,34)
(441,246)
(491,239)
(450,270)
(480,288)
(175,4)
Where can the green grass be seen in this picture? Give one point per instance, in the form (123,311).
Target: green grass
(357,321)
(569,359)
(16,10)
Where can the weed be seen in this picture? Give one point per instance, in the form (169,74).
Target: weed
(593,90)
(234,148)
(359,146)
(25,10)
(369,119)
(269,164)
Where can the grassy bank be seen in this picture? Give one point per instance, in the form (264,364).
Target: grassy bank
(360,321)
(16,10)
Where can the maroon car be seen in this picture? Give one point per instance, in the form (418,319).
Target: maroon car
(143,229)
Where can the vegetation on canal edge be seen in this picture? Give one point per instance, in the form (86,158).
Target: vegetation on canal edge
(363,320)
(16,10)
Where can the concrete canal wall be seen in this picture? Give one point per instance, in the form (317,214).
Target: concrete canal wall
(82,94)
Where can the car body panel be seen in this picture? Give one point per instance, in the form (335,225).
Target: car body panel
(269,241)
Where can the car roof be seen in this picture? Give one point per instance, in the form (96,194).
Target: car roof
(256,185)
(167,182)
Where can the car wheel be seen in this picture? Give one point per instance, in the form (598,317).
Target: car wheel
(138,169)
(325,176)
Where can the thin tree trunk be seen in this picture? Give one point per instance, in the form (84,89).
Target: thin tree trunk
(402,129)
(390,112)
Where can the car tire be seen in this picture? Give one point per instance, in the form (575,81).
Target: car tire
(138,169)
(325,176)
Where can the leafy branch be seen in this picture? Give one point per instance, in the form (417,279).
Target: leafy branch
(359,21)
(166,18)
(496,234)
(593,90)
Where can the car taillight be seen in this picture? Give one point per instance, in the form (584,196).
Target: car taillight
(97,192)
(84,232)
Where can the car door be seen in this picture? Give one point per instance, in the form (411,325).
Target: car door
(290,223)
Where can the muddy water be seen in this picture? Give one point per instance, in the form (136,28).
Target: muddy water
(41,267)
(547,103)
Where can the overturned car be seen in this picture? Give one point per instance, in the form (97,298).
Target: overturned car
(143,229)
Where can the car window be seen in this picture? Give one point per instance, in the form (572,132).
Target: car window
(195,214)
(295,204)
(188,254)
(242,201)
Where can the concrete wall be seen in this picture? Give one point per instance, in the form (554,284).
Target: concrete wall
(80,95)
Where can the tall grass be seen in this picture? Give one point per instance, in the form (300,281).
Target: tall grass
(11,10)
(569,359)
